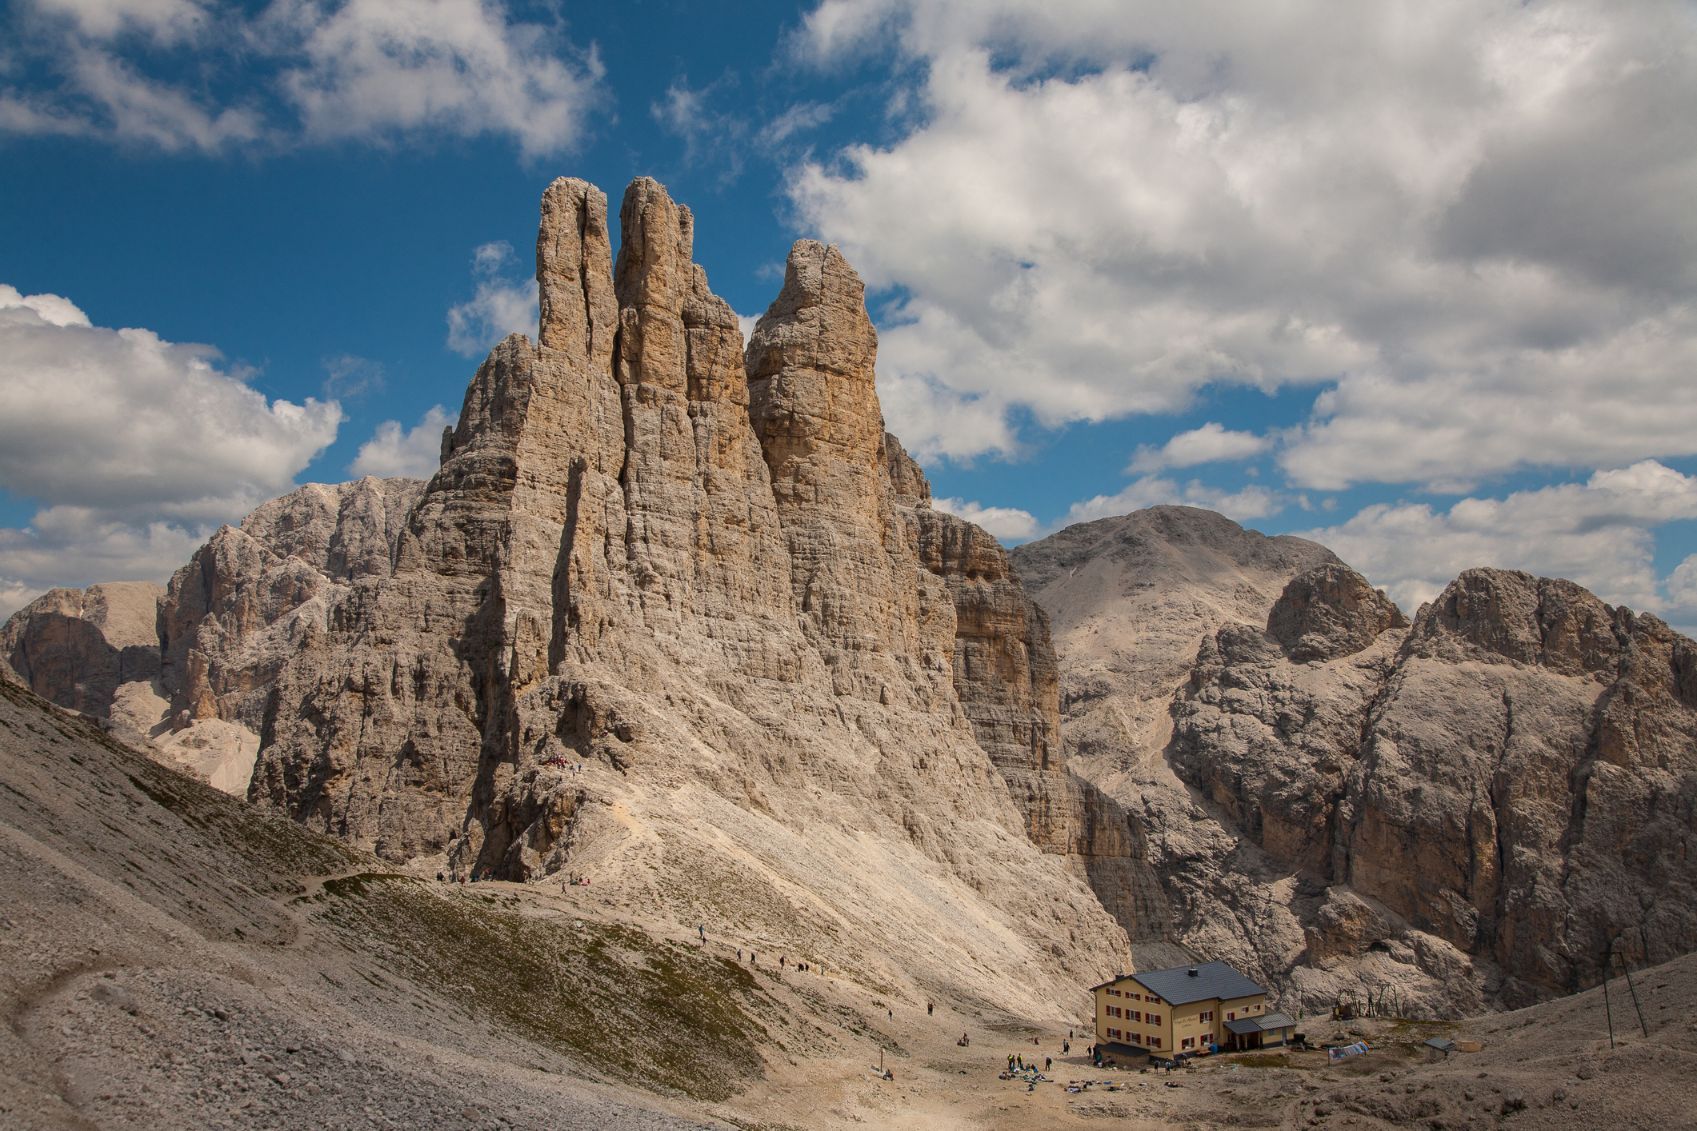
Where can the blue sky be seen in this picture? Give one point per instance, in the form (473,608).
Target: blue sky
(1419,280)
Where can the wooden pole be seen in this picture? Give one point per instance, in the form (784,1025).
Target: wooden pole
(1607,1011)
(1633,990)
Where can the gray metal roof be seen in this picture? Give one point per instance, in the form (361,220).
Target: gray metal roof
(1177,986)
(1261,1024)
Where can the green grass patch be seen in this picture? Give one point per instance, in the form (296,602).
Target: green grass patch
(658,1015)
(263,837)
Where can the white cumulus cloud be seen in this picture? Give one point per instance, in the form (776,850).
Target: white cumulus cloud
(1210,443)
(502,303)
(1463,223)
(134,447)
(412,452)
(1599,533)
(1007,524)
(462,67)
(1247,503)
(211,75)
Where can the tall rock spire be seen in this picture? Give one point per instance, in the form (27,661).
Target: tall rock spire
(574,273)
(694,573)
(814,403)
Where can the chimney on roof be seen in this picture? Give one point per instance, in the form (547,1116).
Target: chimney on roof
(1191,971)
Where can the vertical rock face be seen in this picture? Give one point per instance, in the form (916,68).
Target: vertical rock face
(1131,600)
(1460,793)
(1528,787)
(813,403)
(189,672)
(1467,807)
(1330,612)
(1005,677)
(232,616)
(78,646)
(715,584)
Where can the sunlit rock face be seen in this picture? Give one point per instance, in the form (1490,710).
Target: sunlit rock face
(675,613)
(1470,807)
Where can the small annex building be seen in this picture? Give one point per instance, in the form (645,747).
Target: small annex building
(1187,1009)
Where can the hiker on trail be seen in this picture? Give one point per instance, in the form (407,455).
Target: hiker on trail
(701,929)
(1010,1062)
(781,961)
(1046,1063)
(1066,1047)
(1019,1062)
(928,1008)
(892,1014)
(739,955)
(1069,1034)
(752,960)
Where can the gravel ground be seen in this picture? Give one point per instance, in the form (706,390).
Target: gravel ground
(170,958)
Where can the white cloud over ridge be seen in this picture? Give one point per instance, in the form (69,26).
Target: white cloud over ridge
(1102,210)
(135,447)
(1599,533)
(502,304)
(1006,524)
(294,71)
(1246,503)
(413,452)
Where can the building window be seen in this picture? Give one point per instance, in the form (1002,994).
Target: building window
(1113,1011)
(1232,1016)
(1187,1043)
(1114,1034)
(1154,1041)
(1134,1014)
(1206,1017)
(1154,1018)
(1135,997)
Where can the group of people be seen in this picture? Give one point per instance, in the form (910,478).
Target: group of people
(1016,1063)
(784,962)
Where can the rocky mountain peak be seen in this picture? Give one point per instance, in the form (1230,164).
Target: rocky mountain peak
(810,375)
(574,273)
(1496,615)
(1329,612)
(791,694)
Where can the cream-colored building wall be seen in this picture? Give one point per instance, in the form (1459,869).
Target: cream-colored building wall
(1243,1006)
(1133,1032)
(1188,1025)
(1177,1021)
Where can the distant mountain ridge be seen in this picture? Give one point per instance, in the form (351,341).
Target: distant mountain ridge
(1469,807)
